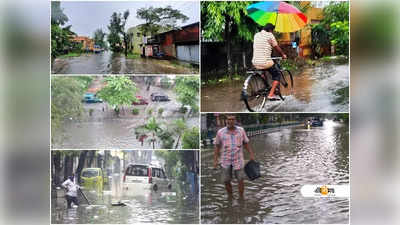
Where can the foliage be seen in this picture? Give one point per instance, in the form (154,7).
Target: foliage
(119,91)
(178,127)
(135,111)
(339,33)
(167,140)
(336,11)
(215,15)
(57,15)
(133,56)
(115,28)
(333,29)
(98,38)
(66,100)
(190,138)
(160,111)
(187,90)
(319,38)
(156,18)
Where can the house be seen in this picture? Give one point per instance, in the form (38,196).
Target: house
(87,43)
(314,15)
(182,44)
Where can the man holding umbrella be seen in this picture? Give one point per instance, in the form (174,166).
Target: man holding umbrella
(273,15)
(264,41)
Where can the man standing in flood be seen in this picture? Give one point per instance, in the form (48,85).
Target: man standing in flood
(72,191)
(228,152)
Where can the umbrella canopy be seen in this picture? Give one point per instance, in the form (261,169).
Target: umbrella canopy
(284,16)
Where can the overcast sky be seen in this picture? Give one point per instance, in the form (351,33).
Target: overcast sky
(86,17)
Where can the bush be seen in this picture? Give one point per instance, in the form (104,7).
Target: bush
(160,111)
(150,112)
(135,111)
(91,112)
(190,139)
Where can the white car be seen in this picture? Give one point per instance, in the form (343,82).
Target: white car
(141,178)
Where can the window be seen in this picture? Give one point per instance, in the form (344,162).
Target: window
(90,173)
(137,170)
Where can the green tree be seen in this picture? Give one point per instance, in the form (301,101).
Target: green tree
(228,22)
(190,138)
(118,91)
(66,101)
(98,37)
(156,18)
(178,127)
(153,127)
(115,28)
(60,36)
(57,14)
(339,33)
(187,90)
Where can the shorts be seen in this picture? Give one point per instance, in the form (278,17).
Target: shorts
(227,174)
(275,72)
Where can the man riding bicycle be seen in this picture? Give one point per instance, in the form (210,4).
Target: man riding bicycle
(264,41)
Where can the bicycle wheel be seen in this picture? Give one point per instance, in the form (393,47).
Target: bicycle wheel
(254,93)
(287,79)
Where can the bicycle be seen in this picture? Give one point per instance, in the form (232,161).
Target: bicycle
(256,89)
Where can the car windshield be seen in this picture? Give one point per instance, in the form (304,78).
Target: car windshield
(90,173)
(137,170)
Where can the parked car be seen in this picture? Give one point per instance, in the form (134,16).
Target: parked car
(91,98)
(92,178)
(158,97)
(141,178)
(317,122)
(141,101)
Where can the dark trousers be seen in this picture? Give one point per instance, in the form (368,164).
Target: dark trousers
(71,199)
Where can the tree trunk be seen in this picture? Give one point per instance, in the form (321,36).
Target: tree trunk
(68,164)
(126,45)
(81,164)
(57,167)
(177,142)
(228,45)
(91,157)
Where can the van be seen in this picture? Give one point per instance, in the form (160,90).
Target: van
(139,178)
(92,178)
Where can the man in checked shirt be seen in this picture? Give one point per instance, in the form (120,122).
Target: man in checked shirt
(231,140)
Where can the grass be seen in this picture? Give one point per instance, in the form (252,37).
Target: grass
(71,54)
(133,56)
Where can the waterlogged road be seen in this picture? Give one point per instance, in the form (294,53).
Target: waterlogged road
(289,159)
(314,91)
(103,130)
(151,207)
(115,63)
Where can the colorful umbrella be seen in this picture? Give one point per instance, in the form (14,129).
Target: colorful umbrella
(284,16)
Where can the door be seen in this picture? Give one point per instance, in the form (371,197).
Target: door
(189,53)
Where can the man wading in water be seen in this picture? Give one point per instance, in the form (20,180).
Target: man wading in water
(231,140)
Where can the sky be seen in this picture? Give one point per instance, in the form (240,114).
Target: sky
(86,17)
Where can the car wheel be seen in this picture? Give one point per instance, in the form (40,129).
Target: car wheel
(155,188)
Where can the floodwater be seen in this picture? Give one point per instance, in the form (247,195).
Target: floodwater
(108,62)
(104,130)
(314,91)
(152,207)
(289,158)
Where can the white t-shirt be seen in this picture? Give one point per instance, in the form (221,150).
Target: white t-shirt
(262,48)
(72,188)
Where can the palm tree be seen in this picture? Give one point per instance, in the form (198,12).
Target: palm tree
(153,127)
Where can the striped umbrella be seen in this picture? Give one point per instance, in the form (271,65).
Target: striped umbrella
(284,16)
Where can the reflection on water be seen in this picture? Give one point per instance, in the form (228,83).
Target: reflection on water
(115,63)
(314,91)
(289,159)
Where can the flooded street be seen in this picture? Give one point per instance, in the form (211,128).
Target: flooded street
(152,207)
(108,62)
(289,158)
(104,130)
(314,91)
